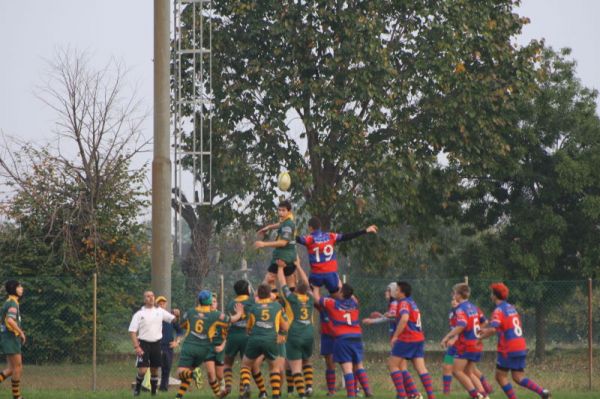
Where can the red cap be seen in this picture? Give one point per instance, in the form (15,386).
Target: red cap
(500,290)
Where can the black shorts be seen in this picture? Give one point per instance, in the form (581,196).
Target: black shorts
(152,355)
(288,270)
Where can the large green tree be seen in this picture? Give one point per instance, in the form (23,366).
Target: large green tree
(540,209)
(358,99)
(74,209)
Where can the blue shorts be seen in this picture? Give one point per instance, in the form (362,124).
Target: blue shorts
(409,350)
(451,351)
(505,363)
(326,344)
(471,356)
(331,281)
(347,350)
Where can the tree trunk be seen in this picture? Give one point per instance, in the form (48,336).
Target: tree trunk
(540,331)
(196,265)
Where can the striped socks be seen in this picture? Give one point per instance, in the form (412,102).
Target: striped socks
(307,369)
(16,388)
(244,377)
(363,379)
(509,391)
(398,381)
(447,380)
(276,384)
(330,378)
(153,383)
(350,385)
(215,386)
(486,385)
(289,378)
(409,384)
(260,382)
(299,383)
(186,377)
(228,375)
(426,380)
(532,386)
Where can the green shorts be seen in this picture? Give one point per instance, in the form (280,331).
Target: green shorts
(217,357)
(260,346)
(299,348)
(193,356)
(449,359)
(236,343)
(282,351)
(10,344)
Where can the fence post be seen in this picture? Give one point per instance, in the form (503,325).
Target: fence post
(467,280)
(344,278)
(590,334)
(94,330)
(222,293)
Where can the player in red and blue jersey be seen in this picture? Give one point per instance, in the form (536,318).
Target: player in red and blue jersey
(344,317)
(468,345)
(408,343)
(477,377)
(450,351)
(321,253)
(512,349)
(327,340)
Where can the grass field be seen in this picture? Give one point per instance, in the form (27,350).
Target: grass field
(564,372)
(31,394)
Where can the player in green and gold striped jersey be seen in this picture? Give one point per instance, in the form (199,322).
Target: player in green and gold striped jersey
(267,325)
(12,336)
(201,324)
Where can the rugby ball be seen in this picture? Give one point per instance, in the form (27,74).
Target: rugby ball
(284,181)
(375,315)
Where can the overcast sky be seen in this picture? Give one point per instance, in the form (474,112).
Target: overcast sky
(31,30)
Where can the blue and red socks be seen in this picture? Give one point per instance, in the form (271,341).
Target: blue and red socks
(363,379)
(532,386)
(330,378)
(409,384)
(426,380)
(509,391)
(350,385)
(473,393)
(447,380)
(486,385)
(398,381)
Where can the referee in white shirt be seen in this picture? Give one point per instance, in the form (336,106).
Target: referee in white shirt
(145,330)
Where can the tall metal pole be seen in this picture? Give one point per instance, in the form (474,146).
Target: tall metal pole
(590,335)
(161,163)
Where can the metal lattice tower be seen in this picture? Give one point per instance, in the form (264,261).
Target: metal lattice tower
(192,106)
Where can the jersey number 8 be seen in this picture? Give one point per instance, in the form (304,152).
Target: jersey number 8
(517,327)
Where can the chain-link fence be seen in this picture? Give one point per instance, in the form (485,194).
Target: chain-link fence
(58,319)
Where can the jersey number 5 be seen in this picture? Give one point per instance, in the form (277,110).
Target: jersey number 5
(264,314)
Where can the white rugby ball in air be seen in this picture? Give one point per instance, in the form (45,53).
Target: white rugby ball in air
(284,181)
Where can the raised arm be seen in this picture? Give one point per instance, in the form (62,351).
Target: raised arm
(349,236)
(280,273)
(301,273)
(316,294)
